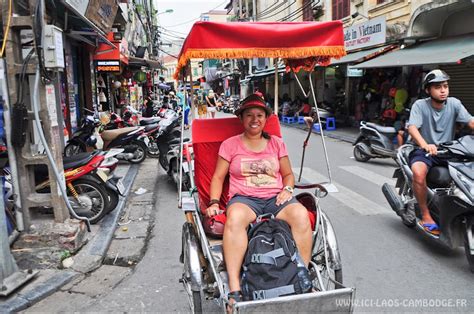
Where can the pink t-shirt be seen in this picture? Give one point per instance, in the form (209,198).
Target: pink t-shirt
(254,174)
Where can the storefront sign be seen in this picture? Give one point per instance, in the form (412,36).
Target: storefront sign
(108,66)
(354,72)
(79,5)
(102,13)
(370,33)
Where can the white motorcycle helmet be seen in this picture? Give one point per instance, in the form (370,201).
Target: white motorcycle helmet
(435,76)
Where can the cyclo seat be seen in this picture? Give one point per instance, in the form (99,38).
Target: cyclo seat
(207,136)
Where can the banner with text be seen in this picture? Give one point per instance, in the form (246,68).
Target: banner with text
(367,34)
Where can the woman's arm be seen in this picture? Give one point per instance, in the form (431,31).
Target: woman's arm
(288,180)
(222,168)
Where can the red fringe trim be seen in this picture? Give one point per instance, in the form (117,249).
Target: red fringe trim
(245,53)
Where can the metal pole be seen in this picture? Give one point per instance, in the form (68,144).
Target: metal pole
(12,160)
(275,102)
(320,127)
(7,263)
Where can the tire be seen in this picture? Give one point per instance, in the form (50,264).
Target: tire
(163,162)
(95,197)
(72,149)
(331,277)
(468,237)
(113,200)
(359,154)
(192,272)
(140,152)
(153,153)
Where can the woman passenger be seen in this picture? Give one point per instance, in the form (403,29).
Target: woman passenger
(261,182)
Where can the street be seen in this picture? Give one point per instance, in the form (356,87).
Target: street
(392,267)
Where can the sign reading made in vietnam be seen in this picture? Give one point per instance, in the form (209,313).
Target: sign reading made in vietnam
(370,33)
(102,13)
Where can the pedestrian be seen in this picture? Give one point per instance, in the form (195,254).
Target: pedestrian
(147,107)
(202,107)
(305,109)
(211,103)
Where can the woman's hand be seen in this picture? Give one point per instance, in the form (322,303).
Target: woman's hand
(283,197)
(212,210)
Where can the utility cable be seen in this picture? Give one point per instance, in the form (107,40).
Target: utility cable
(296,12)
(294,1)
(263,15)
(270,8)
(7,29)
(195,19)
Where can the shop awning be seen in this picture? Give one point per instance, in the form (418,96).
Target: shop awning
(362,55)
(143,62)
(440,51)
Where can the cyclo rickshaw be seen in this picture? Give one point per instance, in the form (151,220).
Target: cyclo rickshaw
(300,45)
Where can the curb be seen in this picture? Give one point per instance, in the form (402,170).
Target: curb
(89,258)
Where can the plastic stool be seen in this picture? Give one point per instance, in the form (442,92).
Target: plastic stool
(288,119)
(330,124)
(300,120)
(316,127)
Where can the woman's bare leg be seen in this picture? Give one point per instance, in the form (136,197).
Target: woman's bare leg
(235,241)
(296,216)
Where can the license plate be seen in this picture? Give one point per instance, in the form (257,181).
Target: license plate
(120,187)
(102,175)
(185,167)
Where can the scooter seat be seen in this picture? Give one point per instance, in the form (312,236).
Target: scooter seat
(382,129)
(78,160)
(150,127)
(176,141)
(438,177)
(148,121)
(109,135)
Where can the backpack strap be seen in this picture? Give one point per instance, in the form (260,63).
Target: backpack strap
(267,258)
(273,293)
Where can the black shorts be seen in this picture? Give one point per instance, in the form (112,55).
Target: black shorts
(261,206)
(431,161)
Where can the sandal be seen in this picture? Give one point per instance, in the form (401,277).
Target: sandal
(236,296)
(431,228)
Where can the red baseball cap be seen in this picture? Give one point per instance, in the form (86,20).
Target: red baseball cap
(253,101)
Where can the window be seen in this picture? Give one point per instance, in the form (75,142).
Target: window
(307,10)
(340,9)
(381,1)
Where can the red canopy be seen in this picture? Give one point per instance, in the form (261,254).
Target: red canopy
(288,40)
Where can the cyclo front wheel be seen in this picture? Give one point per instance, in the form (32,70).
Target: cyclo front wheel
(192,276)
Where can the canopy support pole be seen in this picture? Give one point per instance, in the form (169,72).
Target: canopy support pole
(275,102)
(320,127)
(181,144)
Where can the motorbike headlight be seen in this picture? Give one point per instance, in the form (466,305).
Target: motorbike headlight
(468,185)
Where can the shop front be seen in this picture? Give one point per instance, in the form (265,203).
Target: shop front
(447,43)
(110,64)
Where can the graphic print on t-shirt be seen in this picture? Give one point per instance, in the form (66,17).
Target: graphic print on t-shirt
(259,172)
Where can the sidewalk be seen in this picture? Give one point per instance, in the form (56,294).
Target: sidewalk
(346,134)
(129,222)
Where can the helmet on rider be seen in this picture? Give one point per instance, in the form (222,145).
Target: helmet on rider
(435,76)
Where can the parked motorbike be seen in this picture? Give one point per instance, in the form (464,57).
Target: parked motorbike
(131,139)
(173,160)
(450,194)
(91,192)
(168,129)
(374,141)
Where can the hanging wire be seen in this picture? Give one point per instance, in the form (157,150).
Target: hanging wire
(7,29)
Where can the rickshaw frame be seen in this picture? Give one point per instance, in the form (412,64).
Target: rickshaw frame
(202,264)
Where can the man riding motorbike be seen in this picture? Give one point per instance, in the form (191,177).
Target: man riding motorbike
(432,121)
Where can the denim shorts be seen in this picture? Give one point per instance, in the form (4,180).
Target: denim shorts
(261,206)
(431,161)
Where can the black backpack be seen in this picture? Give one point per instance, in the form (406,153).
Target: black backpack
(272,266)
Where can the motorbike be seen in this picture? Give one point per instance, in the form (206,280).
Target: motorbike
(450,194)
(374,141)
(173,161)
(93,191)
(131,139)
